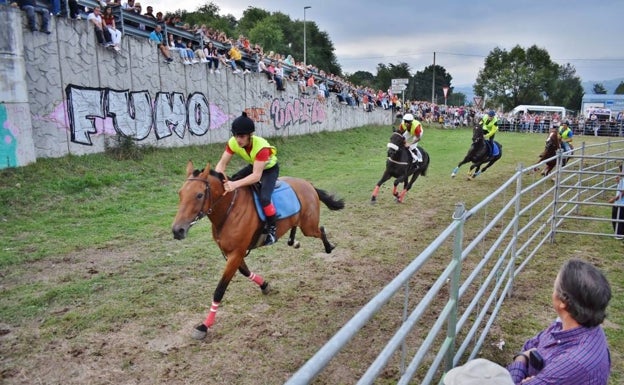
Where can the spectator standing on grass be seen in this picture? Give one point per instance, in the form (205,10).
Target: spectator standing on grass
(31,8)
(573,350)
(617,211)
(101,31)
(157,38)
(109,22)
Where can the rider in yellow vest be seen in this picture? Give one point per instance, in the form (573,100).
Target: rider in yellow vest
(412,131)
(262,167)
(566,134)
(489,122)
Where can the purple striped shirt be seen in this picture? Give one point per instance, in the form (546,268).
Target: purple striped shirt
(578,356)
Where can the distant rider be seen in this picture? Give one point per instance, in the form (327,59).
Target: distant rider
(412,131)
(489,123)
(566,134)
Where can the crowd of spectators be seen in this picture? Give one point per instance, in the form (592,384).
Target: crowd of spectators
(213,48)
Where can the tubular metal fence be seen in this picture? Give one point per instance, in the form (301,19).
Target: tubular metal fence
(475,261)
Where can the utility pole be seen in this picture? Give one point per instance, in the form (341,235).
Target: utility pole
(433,81)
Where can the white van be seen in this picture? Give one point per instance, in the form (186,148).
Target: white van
(539,110)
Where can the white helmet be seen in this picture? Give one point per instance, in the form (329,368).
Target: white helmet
(408,117)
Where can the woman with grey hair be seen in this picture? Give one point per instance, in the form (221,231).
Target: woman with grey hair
(573,350)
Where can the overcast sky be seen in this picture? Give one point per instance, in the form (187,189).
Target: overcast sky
(589,35)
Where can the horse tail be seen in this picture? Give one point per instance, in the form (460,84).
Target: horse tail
(426,161)
(330,201)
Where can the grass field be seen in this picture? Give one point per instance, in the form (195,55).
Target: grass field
(95,290)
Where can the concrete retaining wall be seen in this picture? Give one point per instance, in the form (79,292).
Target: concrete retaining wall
(64,94)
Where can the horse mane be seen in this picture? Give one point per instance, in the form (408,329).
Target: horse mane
(211,172)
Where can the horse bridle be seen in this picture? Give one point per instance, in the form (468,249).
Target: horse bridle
(212,204)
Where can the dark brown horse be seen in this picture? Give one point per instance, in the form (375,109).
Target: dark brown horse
(478,154)
(399,165)
(236,226)
(553,144)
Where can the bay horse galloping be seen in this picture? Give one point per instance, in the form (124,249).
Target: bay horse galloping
(553,144)
(478,154)
(237,227)
(400,166)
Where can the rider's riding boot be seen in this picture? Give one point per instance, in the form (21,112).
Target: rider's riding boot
(270,230)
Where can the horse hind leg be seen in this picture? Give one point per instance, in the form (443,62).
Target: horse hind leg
(291,238)
(328,246)
(256,278)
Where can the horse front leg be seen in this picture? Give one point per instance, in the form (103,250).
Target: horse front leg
(456,169)
(407,186)
(383,180)
(234,261)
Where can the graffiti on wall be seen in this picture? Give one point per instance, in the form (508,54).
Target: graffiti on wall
(135,115)
(8,144)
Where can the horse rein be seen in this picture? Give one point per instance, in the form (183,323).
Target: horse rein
(208,195)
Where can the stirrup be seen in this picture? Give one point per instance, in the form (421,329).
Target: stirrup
(270,239)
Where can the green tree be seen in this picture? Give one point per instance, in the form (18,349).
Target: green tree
(600,89)
(385,74)
(420,88)
(268,35)
(526,77)
(567,90)
(362,78)
(620,89)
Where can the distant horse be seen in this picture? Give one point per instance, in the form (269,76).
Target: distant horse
(237,227)
(553,144)
(400,166)
(478,154)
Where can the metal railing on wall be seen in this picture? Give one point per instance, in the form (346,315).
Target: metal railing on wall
(485,247)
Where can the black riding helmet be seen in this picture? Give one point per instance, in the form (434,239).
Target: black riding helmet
(243,125)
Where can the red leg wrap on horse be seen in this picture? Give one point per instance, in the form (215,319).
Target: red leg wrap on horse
(211,315)
(256,278)
(376,191)
(403,194)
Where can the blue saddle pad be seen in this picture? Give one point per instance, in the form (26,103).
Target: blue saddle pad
(494,151)
(284,199)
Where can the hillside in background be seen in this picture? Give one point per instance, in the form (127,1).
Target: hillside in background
(609,85)
(588,86)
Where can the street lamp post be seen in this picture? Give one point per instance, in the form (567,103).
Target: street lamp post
(304,35)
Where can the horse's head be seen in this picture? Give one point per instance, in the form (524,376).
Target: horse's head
(196,197)
(477,133)
(396,142)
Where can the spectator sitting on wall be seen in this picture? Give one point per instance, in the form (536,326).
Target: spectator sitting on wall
(160,18)
(187,55)
(236,59)
(109,21)
(31,7)
(199,53)
(74,9)
(279,76)
(101,32)
(212,56)
(264,69)
(157,37)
